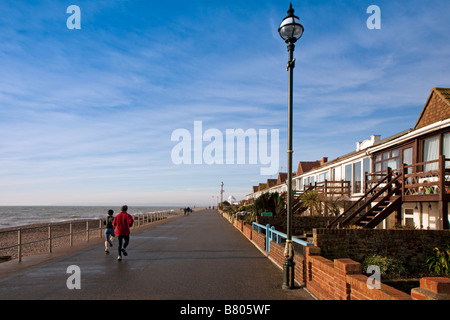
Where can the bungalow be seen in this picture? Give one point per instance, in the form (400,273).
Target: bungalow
(407,174)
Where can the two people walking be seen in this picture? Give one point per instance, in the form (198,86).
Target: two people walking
(122,224)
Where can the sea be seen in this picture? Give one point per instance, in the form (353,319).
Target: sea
(14,216)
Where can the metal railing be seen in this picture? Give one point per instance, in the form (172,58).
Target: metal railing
(27,236)
(274,235)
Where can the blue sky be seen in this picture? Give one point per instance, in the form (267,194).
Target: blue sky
(86,116)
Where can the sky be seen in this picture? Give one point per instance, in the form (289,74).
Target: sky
(98,115)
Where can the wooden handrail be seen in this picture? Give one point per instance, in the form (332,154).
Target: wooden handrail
(388,186)
(388,175)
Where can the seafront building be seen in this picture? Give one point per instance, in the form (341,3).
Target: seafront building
(400,180)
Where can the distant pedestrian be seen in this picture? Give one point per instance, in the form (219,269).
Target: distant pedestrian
(109,230)
(123,221)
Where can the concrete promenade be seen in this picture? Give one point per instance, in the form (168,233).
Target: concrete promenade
(196,257)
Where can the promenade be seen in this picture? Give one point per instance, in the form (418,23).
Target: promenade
(196,257)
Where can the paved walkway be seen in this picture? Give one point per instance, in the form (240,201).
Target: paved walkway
(196,257)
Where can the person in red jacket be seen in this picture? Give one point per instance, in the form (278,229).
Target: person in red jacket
(122,222)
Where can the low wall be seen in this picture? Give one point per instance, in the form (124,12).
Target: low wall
(340,279)
(410,247)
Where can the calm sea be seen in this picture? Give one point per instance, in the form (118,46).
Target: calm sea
(11,216)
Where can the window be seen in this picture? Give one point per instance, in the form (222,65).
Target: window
(322,177)
(409,218)
(366,165)
(408,156)
(357,177)
(430,153)
(446,148)
(348,173)
(387,159)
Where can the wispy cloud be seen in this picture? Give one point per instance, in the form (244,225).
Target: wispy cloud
(88,114)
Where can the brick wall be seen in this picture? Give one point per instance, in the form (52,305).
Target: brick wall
(277,253)
(259,239)
(239,224)
(247,230)
(432,289)
(342,279)
(410,247)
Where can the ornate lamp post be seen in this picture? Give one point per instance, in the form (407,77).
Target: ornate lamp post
(290,31)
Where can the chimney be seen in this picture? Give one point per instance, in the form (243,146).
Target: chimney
(375,138)
(324,160)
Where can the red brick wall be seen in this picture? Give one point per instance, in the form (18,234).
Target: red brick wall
(320,276)
(259,239)
(239,224)
(247,230)
(300,267)
(277,252)
(432,289)
(342,279)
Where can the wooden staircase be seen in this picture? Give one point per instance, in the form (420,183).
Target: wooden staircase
(374,206)
(297,204)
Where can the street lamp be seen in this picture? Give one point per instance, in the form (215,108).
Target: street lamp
(290,31)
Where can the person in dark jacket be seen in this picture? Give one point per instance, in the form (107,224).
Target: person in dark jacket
(122,222)
(109,230)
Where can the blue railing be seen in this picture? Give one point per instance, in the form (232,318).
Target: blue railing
(274,235)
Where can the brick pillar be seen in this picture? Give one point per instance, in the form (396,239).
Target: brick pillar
(432,289)
(310,251)
(342,267)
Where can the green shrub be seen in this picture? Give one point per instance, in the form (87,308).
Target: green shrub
(268,202)
(439,260)
(389,267)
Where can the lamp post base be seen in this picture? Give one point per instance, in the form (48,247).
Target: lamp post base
(288,266)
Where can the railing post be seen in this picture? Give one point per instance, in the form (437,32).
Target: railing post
(365,182)
(403,181)
(389,175)
(87,230)
(71,234)
(50,238)
(267,237)
(442,177)
(100,227)
(19,244)
(443,205)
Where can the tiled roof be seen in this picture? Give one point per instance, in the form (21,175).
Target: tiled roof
(282,176)
(445,93)
(305,166)
(437,108)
